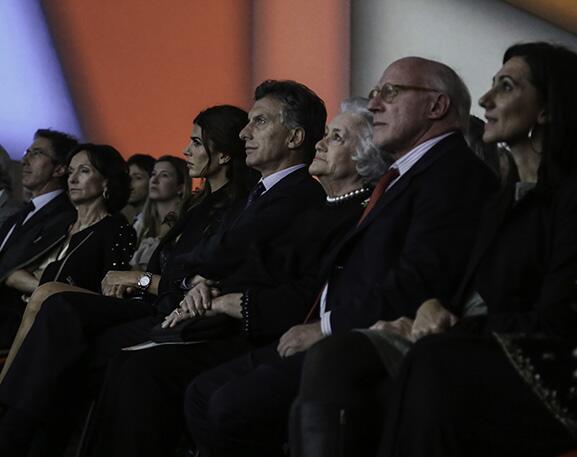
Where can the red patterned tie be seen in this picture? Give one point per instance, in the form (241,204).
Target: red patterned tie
(390,175)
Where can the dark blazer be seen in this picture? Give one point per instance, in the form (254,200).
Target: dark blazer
(44,230)
(280,283)
(8,206)
(415,242)
(524,265)
(262,223)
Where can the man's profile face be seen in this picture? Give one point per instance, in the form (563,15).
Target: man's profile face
(400,124)
(266,137)
(38,165)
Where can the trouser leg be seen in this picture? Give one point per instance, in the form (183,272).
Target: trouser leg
(342,397)
(139,412)
(241,408)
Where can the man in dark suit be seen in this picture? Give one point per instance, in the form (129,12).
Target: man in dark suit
(410,244)
(279,148)
(28,236)
(286,121)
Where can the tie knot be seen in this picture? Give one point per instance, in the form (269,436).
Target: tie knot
(388,177)
(390,174)
(255,193)
(29,207)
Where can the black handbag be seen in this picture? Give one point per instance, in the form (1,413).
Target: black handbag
(197,329)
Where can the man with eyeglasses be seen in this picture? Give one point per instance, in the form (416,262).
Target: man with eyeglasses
(30,235)
(410,244)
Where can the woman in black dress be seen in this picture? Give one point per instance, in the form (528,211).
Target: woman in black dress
(458,393)
(98,186)
(45,371)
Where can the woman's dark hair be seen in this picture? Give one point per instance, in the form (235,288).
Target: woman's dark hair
(112,167)
(553,72)
(142,161)
(221,126)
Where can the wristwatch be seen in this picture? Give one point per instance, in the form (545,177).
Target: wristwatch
(144,281)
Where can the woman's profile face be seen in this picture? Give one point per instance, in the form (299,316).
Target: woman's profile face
(163,184)
(196,154)
(85,183)
(512,105)
(334,151)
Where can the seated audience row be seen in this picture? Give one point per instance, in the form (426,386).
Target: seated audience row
(411,241)
(268,280)
(498,381)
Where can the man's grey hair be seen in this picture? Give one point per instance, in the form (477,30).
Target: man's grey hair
(446,80)
(371,162)
(5,170)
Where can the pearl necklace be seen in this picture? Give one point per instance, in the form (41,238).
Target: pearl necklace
(348,195)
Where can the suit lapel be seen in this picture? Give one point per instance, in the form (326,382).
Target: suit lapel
(398,189)
(46,210)
(271,193)
(404,182)
(3,199)
(289,180)
(7,226)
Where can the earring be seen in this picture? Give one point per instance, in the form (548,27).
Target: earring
(532,140)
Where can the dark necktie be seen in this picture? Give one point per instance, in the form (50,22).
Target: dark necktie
(390,175)
(19,220)
(255,193)
(28,208)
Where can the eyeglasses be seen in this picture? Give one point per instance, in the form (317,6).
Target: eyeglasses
(36,152)
(389,91)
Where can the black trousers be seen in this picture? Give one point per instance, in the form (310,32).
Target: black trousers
(73,334)
(139,412)
(241,407)
(459,396)
(11,310)
(345,387)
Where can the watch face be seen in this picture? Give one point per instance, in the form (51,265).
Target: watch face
(144,281)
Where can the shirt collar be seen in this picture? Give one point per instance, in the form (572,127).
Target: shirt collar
(273,179)
(44,199)
(405,163)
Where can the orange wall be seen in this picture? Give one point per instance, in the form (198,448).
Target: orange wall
(304,40)
(140,70)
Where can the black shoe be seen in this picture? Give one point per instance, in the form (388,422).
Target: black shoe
(323,430)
